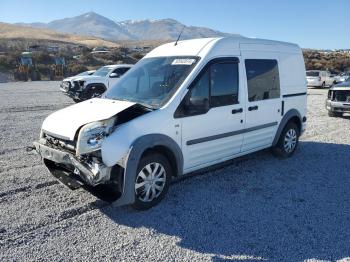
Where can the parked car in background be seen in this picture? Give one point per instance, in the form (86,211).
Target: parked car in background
(86,86)
(338,100)
(341,77)
(318,78)
(183,107)
(85,73)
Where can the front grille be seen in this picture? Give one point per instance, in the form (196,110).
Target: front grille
(340,95)
(58,143)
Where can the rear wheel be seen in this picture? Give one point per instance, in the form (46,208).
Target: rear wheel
(152,180)
(288,141)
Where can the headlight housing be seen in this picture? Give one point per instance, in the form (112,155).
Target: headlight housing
(91,135)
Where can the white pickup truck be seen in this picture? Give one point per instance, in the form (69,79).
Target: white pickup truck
(83,87)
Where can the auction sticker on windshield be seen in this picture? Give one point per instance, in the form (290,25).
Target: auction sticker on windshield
(183,61)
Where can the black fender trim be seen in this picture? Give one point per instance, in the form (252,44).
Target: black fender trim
(287,116)
(137,149)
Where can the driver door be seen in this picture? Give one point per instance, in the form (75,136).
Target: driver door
(212,115)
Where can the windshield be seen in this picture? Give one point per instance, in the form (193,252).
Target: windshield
(102,71)
(152,81)
(312,73)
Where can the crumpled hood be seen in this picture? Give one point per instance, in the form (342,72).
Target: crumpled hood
(65,122)
(89,78)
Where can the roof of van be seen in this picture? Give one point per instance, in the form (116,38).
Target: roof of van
(202,46)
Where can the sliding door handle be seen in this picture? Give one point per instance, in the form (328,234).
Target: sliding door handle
(251,108)
(236,111)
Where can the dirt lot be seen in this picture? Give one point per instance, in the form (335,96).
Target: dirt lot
(255,208)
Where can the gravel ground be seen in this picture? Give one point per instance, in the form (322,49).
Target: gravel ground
(254,208)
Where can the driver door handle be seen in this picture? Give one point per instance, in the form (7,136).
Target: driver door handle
(251,108)
(236,111)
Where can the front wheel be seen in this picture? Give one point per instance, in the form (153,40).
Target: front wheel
(288,141)
(152,181)
(93,91)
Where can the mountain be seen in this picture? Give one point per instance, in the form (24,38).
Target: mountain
(166,29)
(10,31)
(89,24)
(92,24)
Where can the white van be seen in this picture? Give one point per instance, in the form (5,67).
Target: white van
(318,78)
(183,107)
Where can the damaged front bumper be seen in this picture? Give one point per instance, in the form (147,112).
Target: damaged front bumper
(72,94)
(74,170)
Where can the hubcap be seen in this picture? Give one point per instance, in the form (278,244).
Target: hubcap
(290,140)
(150,182)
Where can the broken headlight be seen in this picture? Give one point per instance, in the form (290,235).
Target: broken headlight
(91,135)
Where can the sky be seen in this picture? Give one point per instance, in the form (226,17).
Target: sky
(322,24)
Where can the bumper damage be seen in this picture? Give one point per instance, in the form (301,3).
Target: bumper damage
(105,183)
(91,173)
(71,94)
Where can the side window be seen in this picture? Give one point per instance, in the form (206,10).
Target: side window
(217,85)
(196,101)
(263,79)
(121,70)
(224,84)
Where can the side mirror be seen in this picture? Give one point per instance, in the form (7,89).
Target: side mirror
(114,75)
(197,105)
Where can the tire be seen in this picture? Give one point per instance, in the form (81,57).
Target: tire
(287,142)
(93,91)
(334,114)
(146,198)
(76,100)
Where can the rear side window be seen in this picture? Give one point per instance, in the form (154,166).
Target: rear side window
(263,79)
